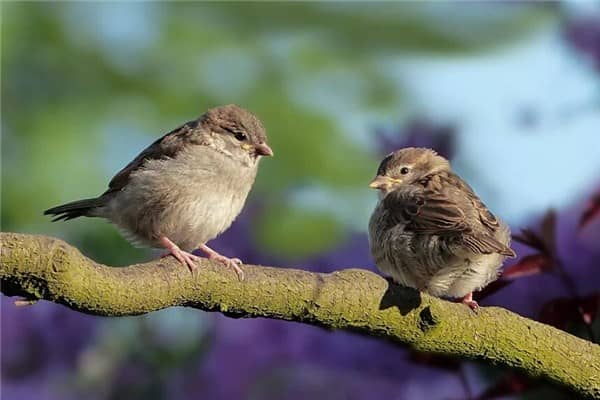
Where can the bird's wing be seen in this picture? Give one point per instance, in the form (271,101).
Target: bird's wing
(488,219)
(486,241)
(426,211)
(435,213)
(165,147)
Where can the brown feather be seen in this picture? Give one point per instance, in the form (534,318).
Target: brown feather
(446,205)
(486,217)
(427,212)
(430,231)
(165,147)
(486,244)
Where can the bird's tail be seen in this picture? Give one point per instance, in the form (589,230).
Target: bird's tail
(79,208)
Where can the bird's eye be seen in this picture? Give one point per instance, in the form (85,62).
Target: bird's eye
(404,170)
(241,136)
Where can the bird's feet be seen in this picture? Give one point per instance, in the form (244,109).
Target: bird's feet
(468,300)
(25,301)
(229,262)
(188,259)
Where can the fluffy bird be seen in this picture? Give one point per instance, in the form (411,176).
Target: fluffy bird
(185,188)
(430,231)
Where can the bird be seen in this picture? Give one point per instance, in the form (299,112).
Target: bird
(430,231)
(185,188)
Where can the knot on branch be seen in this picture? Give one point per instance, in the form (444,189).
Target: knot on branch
(426,319)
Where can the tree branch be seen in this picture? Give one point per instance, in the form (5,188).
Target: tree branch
(353,299)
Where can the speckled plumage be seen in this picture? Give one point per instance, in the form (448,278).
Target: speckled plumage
(185,188)
(430,231)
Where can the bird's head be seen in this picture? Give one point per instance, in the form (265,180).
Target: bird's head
(407,166)
(237,132)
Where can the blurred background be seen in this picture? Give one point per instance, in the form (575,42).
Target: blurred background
(510,92)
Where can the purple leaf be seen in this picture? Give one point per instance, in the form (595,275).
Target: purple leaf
(418,133)
(584,35)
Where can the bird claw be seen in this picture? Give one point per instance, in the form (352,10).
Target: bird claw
(229,262)
(25,301)
(188,259)
(472,304)
(191,260)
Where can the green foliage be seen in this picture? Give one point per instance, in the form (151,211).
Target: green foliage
(313,232)
(85,86)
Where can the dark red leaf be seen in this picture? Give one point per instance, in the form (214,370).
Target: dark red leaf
(545,241)
(511,384)
(531,239)
(548,228)
(491,289)
(532,264)
(562,311)
(589,306)
(558,313)
(592,210)
(435,360)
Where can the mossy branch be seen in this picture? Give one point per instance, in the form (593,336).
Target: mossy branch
(46,268)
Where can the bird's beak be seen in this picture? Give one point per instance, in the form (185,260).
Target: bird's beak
(382,182)
(262,149)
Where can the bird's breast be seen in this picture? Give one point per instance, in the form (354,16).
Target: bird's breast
(190,198)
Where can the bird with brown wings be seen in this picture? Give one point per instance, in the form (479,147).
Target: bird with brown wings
(430,231)
(185,188)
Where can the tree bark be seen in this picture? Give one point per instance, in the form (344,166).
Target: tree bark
(40,267)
